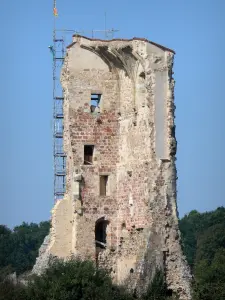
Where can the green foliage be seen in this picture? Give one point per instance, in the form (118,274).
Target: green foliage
(11,291)
(157,288)
(203,237)
(74,280)
(19,248)
(6,246)
(193,225)
(209,242)
(77,280)
(210,283)
(209,269)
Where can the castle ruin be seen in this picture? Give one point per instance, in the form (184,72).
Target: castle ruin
(119,137)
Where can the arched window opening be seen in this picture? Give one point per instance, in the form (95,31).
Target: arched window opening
(100,234)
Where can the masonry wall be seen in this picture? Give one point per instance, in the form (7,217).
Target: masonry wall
(90,129)
(133,134)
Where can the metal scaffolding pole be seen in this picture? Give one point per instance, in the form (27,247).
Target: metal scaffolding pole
(58,52)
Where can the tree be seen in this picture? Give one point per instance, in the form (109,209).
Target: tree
(209,267)
(6,245)
(19,248)
(12,291)
(203,237)
(157,288)
(193,225)
(74,280)
(209,242)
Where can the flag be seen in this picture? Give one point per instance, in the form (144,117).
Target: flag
(55,12)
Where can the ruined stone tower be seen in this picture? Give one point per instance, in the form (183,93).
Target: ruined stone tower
(119,136)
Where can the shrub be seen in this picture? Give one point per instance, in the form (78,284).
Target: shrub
(74,280)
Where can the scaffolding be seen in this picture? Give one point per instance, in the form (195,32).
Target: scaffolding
(58,50)
(58,116)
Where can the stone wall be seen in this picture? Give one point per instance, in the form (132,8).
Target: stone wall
(133,134)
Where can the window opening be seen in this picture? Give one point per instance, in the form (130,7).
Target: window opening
(100,234)
(103,184)
(95,101)
(88,154)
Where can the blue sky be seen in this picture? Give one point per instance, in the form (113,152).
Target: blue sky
(194,29)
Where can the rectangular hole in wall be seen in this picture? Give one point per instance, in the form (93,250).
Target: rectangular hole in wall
(103,185)
(95,101)
(88,154)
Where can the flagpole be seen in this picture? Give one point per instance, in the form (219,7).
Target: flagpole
(54,3)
